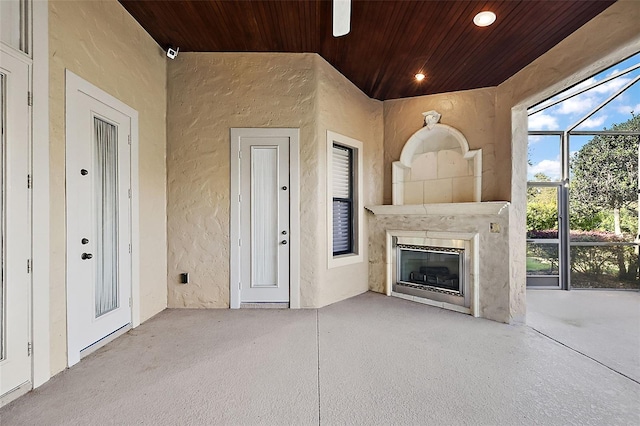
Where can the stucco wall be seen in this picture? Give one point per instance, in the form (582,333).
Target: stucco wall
(102,43)
(208,94)
(470,111)
(344,109)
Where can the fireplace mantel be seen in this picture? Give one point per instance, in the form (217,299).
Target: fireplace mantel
(444,209)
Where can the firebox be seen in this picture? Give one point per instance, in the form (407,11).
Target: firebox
(431,272)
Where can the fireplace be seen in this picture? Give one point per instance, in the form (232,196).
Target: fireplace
(426,247)
(431,269)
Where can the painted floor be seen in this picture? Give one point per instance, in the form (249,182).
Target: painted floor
(604,325)
(368,360)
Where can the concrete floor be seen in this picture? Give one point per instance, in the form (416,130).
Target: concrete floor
(604,325)
(368,360)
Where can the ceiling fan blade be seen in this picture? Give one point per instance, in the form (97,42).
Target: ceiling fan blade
(341,17)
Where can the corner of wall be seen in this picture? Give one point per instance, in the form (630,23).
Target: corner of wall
(345,109)
(579,56)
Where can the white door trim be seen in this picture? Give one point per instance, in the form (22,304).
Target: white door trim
(40,194)
(75,85)
(294,206)
(18,365)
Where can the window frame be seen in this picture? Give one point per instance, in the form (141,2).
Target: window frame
(350,200)
(355,254)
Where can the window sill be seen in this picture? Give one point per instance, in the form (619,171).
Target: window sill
(344,260)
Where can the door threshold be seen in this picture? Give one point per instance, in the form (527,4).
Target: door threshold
(264,305)
(107,339)
(15,393)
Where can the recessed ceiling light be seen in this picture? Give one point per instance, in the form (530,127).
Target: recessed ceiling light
(419,76)
(484,19)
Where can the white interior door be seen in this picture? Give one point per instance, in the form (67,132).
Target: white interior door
(264,219)
(98,173)
(15,365)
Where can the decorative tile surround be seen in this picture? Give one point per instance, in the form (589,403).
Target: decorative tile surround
(484,225)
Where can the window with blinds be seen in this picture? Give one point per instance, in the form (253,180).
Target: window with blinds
(342,188)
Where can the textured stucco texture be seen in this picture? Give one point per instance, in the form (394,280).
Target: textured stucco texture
(344,109)
(210,93)
(103,44)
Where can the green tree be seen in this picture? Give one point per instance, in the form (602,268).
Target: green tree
(605,171)
(542,206)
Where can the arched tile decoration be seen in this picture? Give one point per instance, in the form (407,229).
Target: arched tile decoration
(444,147)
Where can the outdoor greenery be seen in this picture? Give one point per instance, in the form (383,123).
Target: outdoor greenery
(605,173)
(603,197)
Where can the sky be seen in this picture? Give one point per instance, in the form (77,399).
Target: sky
(544,151)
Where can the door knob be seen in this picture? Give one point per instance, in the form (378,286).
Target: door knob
(86,256)
(284,242)
(84,241)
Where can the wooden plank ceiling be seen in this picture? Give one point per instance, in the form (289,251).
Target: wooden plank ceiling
(389,42)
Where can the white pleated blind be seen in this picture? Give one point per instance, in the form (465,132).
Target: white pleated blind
(264,226)
(106,187)
(341,172)
(342,200)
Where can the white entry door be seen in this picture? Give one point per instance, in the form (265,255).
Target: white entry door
(15,236)
(98,173)
(264,219)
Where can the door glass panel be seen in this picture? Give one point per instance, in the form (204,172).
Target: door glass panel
(2,218)
(264,216)
(542,259)
(543,252)
(13,28)
(106,187)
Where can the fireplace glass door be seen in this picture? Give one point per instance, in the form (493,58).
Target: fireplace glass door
(433,268)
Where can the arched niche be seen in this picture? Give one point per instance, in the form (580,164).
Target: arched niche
(436,166)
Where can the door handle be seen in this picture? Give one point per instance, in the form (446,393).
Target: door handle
(84,241)
(86,256)
(284,242)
